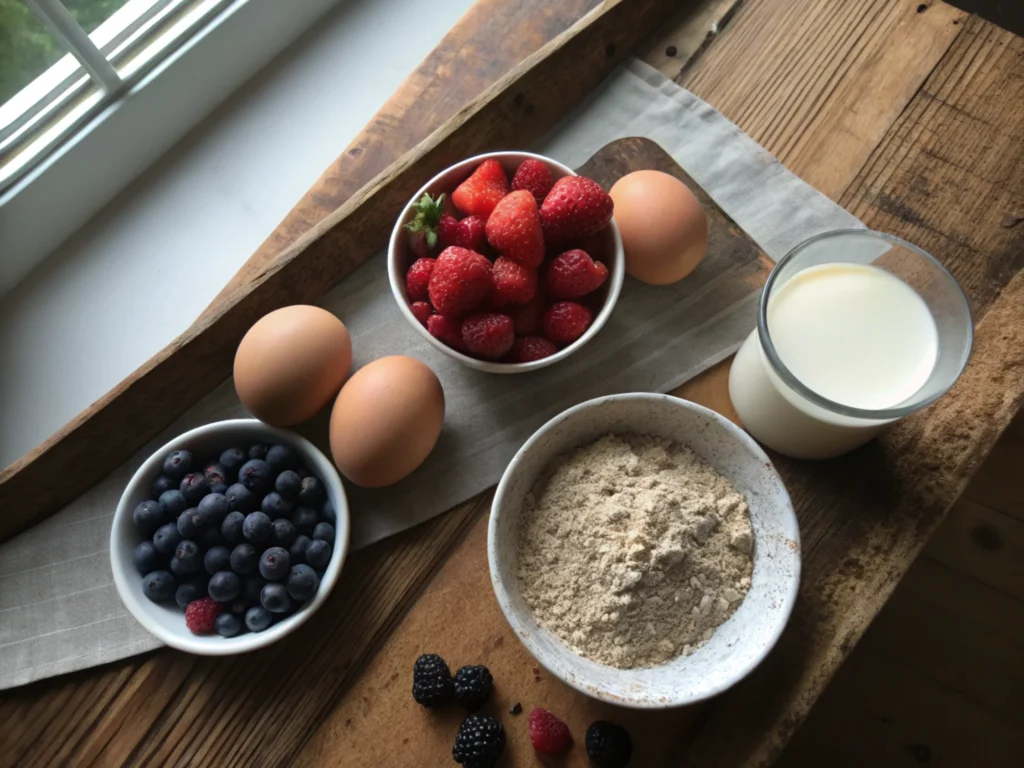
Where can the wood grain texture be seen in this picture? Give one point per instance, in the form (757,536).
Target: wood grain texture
(518,108)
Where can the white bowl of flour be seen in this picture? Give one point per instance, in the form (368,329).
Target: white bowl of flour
(620,550)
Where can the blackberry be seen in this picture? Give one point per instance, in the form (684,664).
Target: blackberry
(274,564)
(275,507)
(324,532)
(149,516)
(255,475)
(281,457)
(177,464)
(213,508)
(608,745)
(312,493)
(472,686)
(166,538)
(148,558)
(232,460)
(302,583)
(288,484)
(227,625)
(194,487)
(480,742)
(240,499)
(231,528)
(161,484)
(190,523)
(318,553)
(431,681)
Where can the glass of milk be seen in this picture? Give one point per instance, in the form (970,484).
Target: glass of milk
(855,330)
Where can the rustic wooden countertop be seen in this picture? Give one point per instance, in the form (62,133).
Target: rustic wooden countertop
(909,114)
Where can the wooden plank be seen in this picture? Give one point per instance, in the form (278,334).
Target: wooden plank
(997,484)
(518,108)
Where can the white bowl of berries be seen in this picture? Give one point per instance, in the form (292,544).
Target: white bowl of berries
(229,537)
(507,262)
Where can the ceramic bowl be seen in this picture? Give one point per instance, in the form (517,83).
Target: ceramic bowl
(745,638)
(400,257)
(165,620)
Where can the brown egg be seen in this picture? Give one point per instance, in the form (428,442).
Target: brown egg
(664,228)
(291,363)
(386,421)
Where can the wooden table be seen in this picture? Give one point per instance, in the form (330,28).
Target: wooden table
(910,115)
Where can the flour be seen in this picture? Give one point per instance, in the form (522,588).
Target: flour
(633,550)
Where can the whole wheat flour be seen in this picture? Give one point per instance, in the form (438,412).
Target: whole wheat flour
(633,550)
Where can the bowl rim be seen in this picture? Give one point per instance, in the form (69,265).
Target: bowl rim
(397,278)
(123,568)
(524,633)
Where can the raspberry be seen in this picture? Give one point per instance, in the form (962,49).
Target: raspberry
(460,282)
(535,177)
(488,335)
(431,680)
(526,349)
(527,317)
(472,686)
(201,615)
(421,310)
(550,736)
(479,743)
(513,283)
(566,321)
(609,745)
(447,330)
(573,274)
(418,278)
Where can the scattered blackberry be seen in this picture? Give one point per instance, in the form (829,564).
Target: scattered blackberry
(147,558)
(217,558)
(318,554)
(149,516)
(240,498)
(257,527)
(232,460)
(188,558)
(609,745)
(255,475)
(178,464)
(472,686)
(431,681)
(258,618)
(159,586)
(275,506)
(173,502)
(244,558)
(194,487)
(213,508)
(305,520)
(190,523)
(227,625)
(274,597)
(324,532)
(161,484)
(280,458)
(302,582)
(166,538)
(288,484)
(231,528)
(274,564)
(297,550)
(312,493)
(284,532)
(480,742)
(224,586)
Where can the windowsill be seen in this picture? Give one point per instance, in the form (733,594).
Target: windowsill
(139,272)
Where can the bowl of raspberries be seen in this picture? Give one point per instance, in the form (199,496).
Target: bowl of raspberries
(229,537)
(507,262)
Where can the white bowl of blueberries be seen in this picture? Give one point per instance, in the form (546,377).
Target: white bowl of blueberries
(229,537)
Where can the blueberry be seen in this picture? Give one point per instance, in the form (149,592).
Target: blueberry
(216,474)
(251,588)
(190,591)
(305,520)
(302,582)
(187,558)
(193,487)
(231,528)
(159,586)
(255,475)
(173,502)
(258,618)
(324,531)
(244,558)
(240,498)
(190,523)
(161,484)
(327,513)
(274,564)
(178,464)
(318,554)
(297,550)
(312,493)
(149,516)
(281,457)
(273,506)
(232,460)
(217,558)
(284,532)
(224,586)
(148,558)
(288,484)
(258,451)
(274,597)
(166,538)
(209,537)
(213,508)
(227,625)
(257,527)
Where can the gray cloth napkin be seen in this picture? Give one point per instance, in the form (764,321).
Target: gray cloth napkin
(59,610)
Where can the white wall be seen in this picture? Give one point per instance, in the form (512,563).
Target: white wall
(141,271)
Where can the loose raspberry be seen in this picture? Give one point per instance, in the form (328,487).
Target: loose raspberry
(550,736)
(447,330)
(418,278)
(488,335)
(573,274)
(535,177)
(514,284)
(201,615)
(478,194)
(526,349)
(467,233)
(460,282)
(421,310)
(514,229)
(575,207)
(566,321)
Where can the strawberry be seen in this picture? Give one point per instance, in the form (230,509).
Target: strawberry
(514,284)
(550,736)
(573,274)
(514,229)
(418,278)
(201,615)
(421,310)
(460,282)
(423,225)
(478,194)
(575,207)
(488,335)
(467,233)
(446,330)
(527,317)
(526,349)
(535,177)
(566,321)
